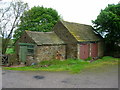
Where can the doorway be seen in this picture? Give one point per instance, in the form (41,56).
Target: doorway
(84,51)
(23,53)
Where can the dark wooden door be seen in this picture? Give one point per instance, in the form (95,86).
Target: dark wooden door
(94,50)
(84,51)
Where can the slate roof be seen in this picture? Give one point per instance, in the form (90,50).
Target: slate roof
(42,38)
(81,32)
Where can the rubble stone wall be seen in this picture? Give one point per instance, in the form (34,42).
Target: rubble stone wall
(51,52)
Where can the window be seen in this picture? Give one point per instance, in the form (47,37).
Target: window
(30,49)
(30,46)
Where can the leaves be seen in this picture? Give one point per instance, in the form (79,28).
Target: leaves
(108,21)
(37,19)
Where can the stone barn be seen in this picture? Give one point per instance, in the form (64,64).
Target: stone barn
(67,40)
(39,46)
(81,40)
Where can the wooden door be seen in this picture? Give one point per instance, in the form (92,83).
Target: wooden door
(84,51)
(23,53)
(94,50)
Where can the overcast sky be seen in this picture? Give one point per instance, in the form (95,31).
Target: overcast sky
(80,11)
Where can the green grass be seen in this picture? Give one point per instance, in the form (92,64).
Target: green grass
(10,51)
(105,61)
(74,66)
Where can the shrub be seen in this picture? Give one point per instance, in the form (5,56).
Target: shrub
(88,59)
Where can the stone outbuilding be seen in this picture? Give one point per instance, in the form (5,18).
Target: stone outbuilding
(39,46)
(81,40)
(67,40)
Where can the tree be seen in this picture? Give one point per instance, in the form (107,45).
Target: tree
(108,23)
(37,19)
(9,19)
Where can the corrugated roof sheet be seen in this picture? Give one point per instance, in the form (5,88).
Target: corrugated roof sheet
(42,38)
(81,32)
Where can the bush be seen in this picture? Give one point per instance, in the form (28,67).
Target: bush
(88,59)
(10,51)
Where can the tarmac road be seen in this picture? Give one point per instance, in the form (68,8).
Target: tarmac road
(93,78)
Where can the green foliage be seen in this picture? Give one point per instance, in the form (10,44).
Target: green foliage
(37,19)
(11,42)
(74,66)
(107,59)
(88,59)
(108,22)
(10,51)
(103,62)
(58,62)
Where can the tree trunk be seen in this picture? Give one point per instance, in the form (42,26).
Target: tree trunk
(4,45)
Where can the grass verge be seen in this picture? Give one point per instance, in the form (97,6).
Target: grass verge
(107,60)
(74,66)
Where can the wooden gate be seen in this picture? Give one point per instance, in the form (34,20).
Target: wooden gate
(84,51)
(94,50)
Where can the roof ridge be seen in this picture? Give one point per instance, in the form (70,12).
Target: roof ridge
(74,23)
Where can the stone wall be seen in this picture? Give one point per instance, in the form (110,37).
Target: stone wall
(67,37)
(100,49)
(13,59)
(64,34)
(51,52)
(71,50)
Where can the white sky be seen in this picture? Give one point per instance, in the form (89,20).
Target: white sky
(80,11)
